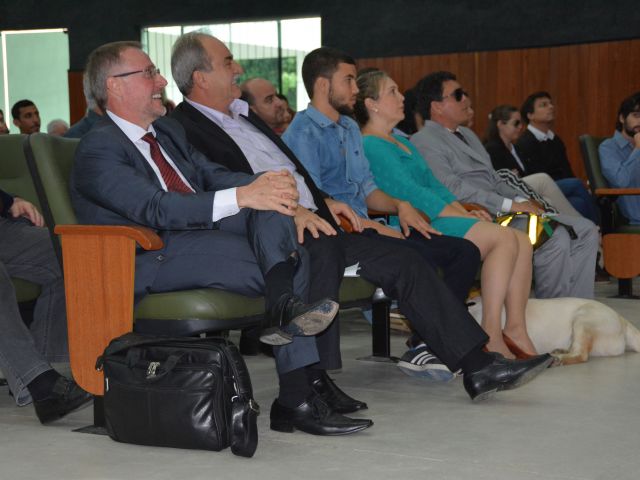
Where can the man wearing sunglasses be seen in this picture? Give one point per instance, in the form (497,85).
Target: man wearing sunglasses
(563,266)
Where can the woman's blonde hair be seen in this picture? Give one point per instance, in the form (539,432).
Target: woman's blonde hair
(369,86)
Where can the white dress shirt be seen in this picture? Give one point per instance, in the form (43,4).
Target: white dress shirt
(261,153)
(225,203)
(540,135)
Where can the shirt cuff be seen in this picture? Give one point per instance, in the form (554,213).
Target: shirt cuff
(506,205)
(225,204)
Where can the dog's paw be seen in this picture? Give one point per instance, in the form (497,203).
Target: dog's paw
(557,361)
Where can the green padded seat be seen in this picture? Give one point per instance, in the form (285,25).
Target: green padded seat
(15,179)
(354,289)
(180,313)
(25,291)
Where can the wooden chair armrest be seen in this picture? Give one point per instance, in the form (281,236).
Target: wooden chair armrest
(474,206)
(345,223)
(99,271)
(145,237)
(377,213)
(606,192)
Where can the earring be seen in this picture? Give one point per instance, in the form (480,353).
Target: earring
(375,110)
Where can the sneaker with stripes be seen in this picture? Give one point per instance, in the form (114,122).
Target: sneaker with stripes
(420,362)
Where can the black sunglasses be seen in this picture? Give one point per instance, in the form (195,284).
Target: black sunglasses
(457,94)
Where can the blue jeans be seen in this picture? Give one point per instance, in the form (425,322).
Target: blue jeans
(579,197)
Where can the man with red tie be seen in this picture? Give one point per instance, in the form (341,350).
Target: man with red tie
(220,229)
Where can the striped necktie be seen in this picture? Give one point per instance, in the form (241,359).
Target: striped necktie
(171,178)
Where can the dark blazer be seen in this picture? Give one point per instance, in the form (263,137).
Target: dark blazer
(206,136)
(6,201)
(501,157)
(112,183)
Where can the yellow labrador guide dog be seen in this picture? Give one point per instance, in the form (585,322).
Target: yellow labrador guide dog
(571,329)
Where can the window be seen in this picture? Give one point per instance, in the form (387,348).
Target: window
(34,66)
(271,49)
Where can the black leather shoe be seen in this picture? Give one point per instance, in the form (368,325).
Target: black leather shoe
(503,374)
(314,416)
(65,397)
(290,316)
(339,401)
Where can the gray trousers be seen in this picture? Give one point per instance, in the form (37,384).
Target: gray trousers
(26,253)
(563,267)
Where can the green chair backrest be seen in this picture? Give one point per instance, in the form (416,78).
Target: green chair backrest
(53,157)
(15,177)
(589,147)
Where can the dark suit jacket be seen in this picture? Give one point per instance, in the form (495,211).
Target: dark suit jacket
(213,141)
(6,201)
(112,183)
(501,157)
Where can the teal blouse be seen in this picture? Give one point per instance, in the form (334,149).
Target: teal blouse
(408,177)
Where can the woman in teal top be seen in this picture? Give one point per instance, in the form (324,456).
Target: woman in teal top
(400,171)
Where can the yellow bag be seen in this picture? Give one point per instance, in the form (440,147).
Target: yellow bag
(539,228)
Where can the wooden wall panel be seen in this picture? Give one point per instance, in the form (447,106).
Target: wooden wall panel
(77,103)
(587,82)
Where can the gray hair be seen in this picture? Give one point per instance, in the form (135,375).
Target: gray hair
(99,66)
(86,89)
(53,126)
(187,56)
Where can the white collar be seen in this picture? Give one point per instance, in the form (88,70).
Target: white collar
(237,107)
(539,134)
(131,130)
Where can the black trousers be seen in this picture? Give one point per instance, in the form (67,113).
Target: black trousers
(401,270)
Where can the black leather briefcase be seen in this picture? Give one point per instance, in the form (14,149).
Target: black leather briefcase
(179,392)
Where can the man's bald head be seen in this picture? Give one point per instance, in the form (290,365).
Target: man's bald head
(263,100)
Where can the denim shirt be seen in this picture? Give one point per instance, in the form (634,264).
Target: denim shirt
(620,163)
(333,154)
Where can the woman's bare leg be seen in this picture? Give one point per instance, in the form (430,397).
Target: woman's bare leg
(499,250)
(518,295)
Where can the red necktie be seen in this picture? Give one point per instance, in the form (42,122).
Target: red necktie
(171,178)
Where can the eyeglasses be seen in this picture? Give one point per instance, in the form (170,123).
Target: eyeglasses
(149,73)
(457,94)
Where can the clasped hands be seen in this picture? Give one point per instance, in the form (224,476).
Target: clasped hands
(275,191)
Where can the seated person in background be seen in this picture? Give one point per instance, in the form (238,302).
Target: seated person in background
(563,266)
(26,252)
(265,102)
(503,130)
(412,120)
(289,113)
(328,143)
(544,151)
(26,116)
(78,129)
(57,127)
(3,125)
(220,229)
(400,171)
(620,157)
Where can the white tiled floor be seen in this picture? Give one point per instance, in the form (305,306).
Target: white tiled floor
(578,422)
